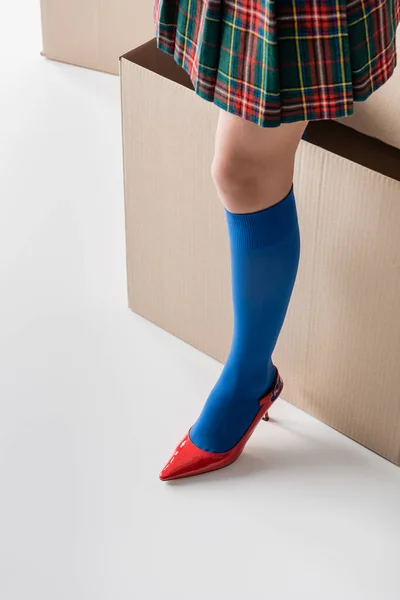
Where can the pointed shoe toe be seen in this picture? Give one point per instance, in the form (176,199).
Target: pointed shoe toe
(189,460)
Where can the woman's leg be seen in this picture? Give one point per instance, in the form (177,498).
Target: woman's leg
(253,172)
(253,166)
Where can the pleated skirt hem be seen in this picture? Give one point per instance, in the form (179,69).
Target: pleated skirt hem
(307,113)
(281,62)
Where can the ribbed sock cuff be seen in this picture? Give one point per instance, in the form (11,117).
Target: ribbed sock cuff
(264,227)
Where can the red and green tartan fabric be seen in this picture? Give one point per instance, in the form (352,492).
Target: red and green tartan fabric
(280,61)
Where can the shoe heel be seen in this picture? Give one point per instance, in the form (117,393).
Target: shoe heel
(266,417)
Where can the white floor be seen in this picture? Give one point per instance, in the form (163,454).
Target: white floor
(93,398)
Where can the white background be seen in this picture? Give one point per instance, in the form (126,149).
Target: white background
(93,399)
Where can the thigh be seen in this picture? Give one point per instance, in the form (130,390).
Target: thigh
(237,137)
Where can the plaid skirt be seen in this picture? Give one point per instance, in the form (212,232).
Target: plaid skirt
(280,61)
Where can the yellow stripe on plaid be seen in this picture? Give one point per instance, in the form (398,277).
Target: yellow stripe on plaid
(248,31)
(341,53)
(187,28)
(231,55)
(264,71)
(300,71)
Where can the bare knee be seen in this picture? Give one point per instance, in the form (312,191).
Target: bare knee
(253,167)
(246,184)
(235,176)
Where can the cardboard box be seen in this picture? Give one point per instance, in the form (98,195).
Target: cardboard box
(340,346)
(94,33)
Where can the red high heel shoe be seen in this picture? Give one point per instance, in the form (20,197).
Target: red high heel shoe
(188,460)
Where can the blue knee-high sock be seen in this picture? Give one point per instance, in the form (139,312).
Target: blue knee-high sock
(265,251)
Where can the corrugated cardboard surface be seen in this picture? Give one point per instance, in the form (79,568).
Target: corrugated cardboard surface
(174,219)
(379,116)
(94,33)
(340,346)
